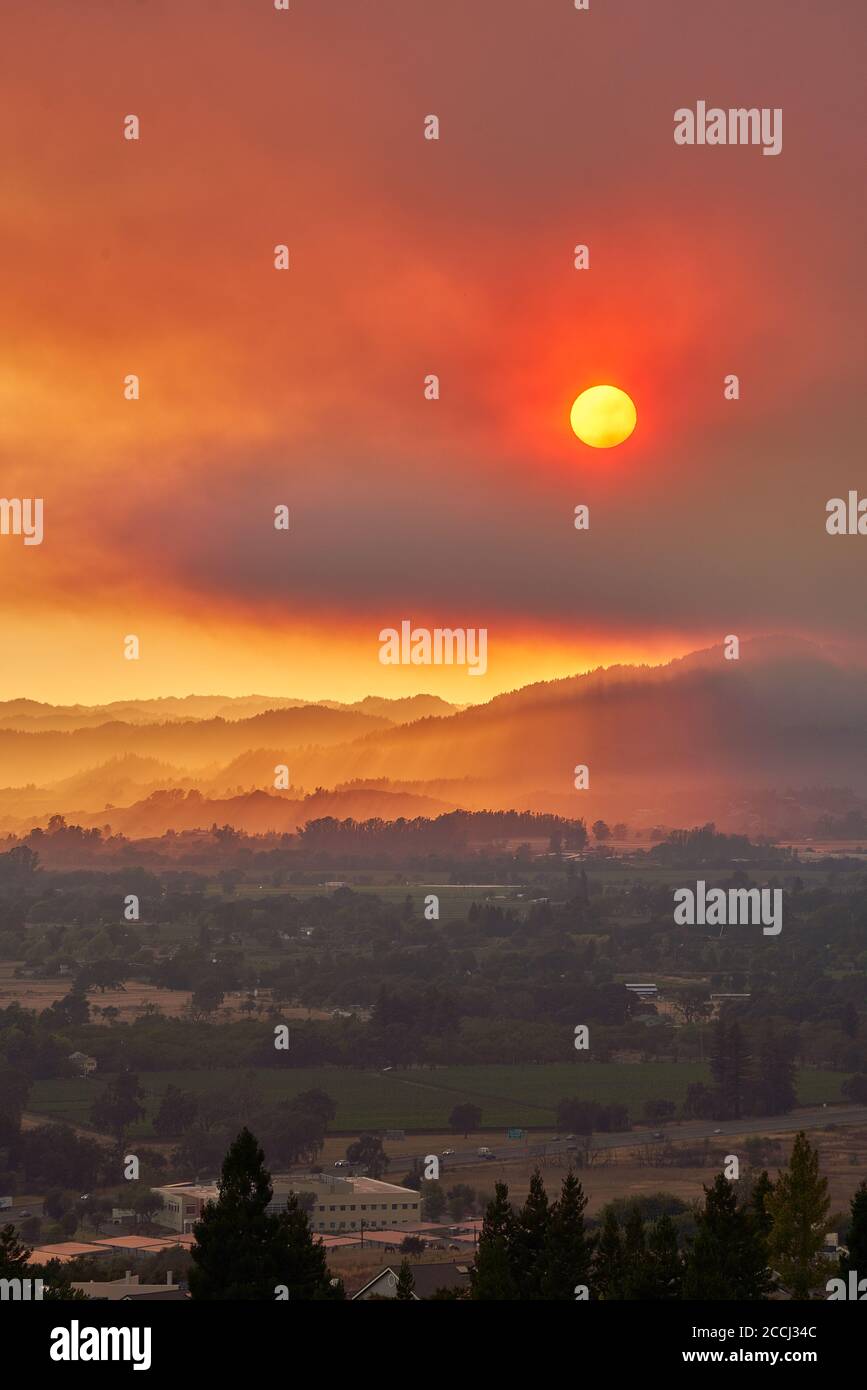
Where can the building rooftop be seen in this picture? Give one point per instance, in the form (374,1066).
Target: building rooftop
(66,1249)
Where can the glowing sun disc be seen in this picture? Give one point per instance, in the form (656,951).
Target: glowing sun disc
(603,416)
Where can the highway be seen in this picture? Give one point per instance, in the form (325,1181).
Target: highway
(690,1130)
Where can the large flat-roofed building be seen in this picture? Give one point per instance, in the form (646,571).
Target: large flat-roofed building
(340,1204)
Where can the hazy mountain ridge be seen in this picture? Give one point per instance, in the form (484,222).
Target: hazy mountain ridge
(698,738)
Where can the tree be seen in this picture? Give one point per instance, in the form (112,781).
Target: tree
(145,1202)
(57,1202)
(464,1118)
(772,1087)
(491,1276)
(316,1102)
(700,1102)
(576,1115)
(14,1090)
(799,1206)
(762,1189)
(242,1252)
(177,1112)
(729,1064)
(13,1255)
(601,831)
(461,1200)
(856,1240)
(206,998)
(405,1283)
(367,1152)
(567,1248)
(728,1259)
(433,1200)
(634,1279)
(664,1266)
(530,1239)
(693,1006)
(854,1088)
(119,1106)
(657,1110)
(608,1261)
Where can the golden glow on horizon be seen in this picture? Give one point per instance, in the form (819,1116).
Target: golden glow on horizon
(603,416)
(78,657)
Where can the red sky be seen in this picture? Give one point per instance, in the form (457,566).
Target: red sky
(410,257)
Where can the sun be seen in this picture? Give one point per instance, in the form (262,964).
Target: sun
(603,416)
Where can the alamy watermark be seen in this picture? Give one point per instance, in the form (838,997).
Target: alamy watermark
(438,646)
(22,516)
(720,907)
(738,125)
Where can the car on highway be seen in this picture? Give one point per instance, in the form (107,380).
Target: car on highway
(717,1131)
(25,1213)
(446,1153)
(341,1162)
(657,1134)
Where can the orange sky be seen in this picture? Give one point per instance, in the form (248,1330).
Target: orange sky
(409,257)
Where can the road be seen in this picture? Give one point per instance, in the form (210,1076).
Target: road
(689,1130)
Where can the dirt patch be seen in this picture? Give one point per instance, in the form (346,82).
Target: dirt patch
(133,1000)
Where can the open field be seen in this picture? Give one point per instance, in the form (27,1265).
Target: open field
(455,899)
(421,1099)
(130,1002)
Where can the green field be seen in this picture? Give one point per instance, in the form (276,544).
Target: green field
(421,1099)
(455,899)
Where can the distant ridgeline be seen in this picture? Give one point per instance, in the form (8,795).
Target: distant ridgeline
(63,846)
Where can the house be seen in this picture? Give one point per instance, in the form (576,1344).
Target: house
(82,1063)
(428,1278)
(129,1289)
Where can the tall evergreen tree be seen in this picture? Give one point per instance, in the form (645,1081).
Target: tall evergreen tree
(405,1283)
(664,1279)
(608,1260)
(799,1207)
(492,1277)
(634,1278)
(728,1259)
(759,1197)
(856,1240)
(244,1253)
(530,1239)
(730,1066)
(13,1255)
(772,1087)
(568,1250)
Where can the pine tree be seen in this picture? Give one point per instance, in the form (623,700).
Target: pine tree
(13,1255)
(492,1277)
(856,1240)
(608,1262)
(568,1250)
(762,1189)
(244,1253)
(728,1259)
(729,1065)
(799,1207)
(405,1283)
(664,1266)
(634,1257)
(772,1089)
(530,1239)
